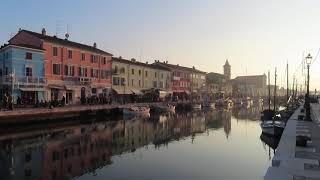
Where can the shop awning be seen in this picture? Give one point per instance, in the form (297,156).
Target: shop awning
(137,92)
(32,89)
(123,91)
(163,93)
(187,92)
(54,86)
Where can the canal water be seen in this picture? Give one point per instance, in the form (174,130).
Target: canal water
(219,144)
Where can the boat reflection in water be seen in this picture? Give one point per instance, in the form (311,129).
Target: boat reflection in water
(72,150)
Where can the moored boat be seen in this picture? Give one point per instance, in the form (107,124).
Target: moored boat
(272,128)
(163,108)
(196,106)
(208,105)
(136,110)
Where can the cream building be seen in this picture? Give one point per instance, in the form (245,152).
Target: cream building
(131,76)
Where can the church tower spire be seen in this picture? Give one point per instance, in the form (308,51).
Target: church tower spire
(227,70)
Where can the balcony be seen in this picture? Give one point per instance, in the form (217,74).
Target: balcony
(24,80)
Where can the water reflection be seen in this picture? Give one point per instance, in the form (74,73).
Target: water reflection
(74,150)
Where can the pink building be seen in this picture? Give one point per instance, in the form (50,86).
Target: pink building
(72,69)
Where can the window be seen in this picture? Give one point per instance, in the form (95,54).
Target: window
(55,156)
(29,71)
(132,71)
(6,71)
(28,157)
(132,81)
(139,72)
(139,83)
(93,58)
(82,72)
(55,51)
(95,73)
(116,81)
(161,76)
(104,60)
(70,54)
(154,84)
(160,84)
(83,56)
(155,74)
(28,55)
(56,69)
(146,73)
(68,70)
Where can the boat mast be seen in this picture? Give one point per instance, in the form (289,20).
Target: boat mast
(275,90)
(269,99)
(287,84)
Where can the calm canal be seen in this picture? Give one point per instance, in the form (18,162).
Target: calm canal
(219,144)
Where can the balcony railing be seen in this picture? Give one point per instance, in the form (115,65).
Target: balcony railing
(24,80)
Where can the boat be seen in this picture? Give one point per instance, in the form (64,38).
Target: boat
(163,108)
(272,127)
(271,141)
(136,110)
(267,114)
(208,105)
(196,106)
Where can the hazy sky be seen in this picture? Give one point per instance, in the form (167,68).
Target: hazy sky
(255,35)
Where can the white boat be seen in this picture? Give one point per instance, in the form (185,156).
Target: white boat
(196,106)
(137,110)
(209,105)
(272,128)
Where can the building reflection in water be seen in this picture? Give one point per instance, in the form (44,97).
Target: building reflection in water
(73,150)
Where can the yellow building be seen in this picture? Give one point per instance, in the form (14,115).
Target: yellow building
(132,77)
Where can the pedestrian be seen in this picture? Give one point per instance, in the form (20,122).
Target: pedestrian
(5,101)
(63,101)
(10,102)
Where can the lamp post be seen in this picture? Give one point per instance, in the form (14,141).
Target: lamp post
(307,98)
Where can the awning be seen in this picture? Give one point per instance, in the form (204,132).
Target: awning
(123,91)
(163,94)
(32,89)
(54,86)
(187,92)
(137,92)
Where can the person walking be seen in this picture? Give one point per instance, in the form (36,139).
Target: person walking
(5,101)
(10,102)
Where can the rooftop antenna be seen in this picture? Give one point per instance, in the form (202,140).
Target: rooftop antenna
(67,34)
(59,25)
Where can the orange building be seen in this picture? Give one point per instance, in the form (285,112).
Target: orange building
(72,69)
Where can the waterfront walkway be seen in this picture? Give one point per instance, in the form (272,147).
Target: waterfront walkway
(298,163)
(22,115)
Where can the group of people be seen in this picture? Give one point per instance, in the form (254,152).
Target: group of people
(7,101)
(91,100)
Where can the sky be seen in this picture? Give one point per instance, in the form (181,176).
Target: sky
(254,35)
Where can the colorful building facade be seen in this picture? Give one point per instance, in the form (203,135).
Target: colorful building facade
(22,72)
(72,70)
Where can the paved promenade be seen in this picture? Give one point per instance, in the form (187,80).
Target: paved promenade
(21,115)
(298,163)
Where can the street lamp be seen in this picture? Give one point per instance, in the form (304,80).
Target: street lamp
(307,98)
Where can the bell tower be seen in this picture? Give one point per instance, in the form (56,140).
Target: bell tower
(227,70)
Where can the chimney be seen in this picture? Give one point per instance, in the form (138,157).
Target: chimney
(20,29)
(44,32)
(120,57)
(133,60)
(147,62)
(166,62)
(95,45)
(67,36)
